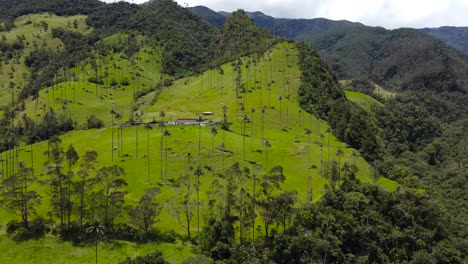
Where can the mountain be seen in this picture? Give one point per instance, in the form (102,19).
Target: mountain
(209,16)
(456,37)
(401,59)
(160,132)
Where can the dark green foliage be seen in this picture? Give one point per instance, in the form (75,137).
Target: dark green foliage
(112,18)
(77,46)
(13,9)
(240,36)
(319,88)
(153,258)
(188,42)
(359,222)
(389,58)
(209,15)
(406,125)
(216,239)
(456,37)
(94,122)
(358,128)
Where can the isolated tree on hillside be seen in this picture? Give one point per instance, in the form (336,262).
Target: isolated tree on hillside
(245,119)
(198,173)
(17,196)
(280,99)
(143,214)
(252,128)
(267,146)
(88,163)
(328,132)
(213,132)
(355,156)
(98,230)
(110,199)
(72,158)
(162,114)
(263,124)
(166,134)
(148,127)
(54,166)
(182,207)
(339,153)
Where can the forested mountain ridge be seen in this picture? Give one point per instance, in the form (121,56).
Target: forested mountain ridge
(400,59)
(10,10)
(143,130)
(456,37)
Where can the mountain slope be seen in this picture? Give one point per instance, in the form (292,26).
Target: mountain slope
(456,37)
(209,16)
(401,59)
(189,43)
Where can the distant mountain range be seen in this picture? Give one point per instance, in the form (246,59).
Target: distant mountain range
(456,37)
(401,59)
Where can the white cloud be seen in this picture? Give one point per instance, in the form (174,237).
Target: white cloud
(386,13)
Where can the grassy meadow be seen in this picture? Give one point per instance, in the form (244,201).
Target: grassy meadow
(271,82)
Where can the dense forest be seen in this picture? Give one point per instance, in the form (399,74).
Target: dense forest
(416,137)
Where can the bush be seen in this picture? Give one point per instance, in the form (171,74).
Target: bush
(12,226)
(38,227)
(153,258)
(199,259)
(95,80)
(94,122)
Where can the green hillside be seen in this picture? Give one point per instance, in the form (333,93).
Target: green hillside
(142,134)
(30,32)
(188,99)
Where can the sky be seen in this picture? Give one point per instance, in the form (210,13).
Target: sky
(386,13)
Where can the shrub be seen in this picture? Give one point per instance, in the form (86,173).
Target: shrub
(12,226)
(153,258)
(38,227)
(94,122)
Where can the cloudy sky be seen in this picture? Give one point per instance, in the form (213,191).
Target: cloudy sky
(386,13)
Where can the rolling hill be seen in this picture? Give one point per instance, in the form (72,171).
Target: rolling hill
(143,129)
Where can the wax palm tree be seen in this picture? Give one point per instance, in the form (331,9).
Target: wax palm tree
(328,132)
(245,119)
(320,144)
(199,140)
(166,134)
(148,127)
(280,99)
(189,158)
(355,155)
(263,123)
(161,145)
(213,132)
(98,230)
(198,173)
(251,129)
(339,153)
(267,146)
(308,132)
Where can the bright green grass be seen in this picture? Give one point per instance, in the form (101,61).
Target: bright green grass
(186,99)
(52,250)
(288,149)
(84,98)
(363,100)
(379,90)
(15,70)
